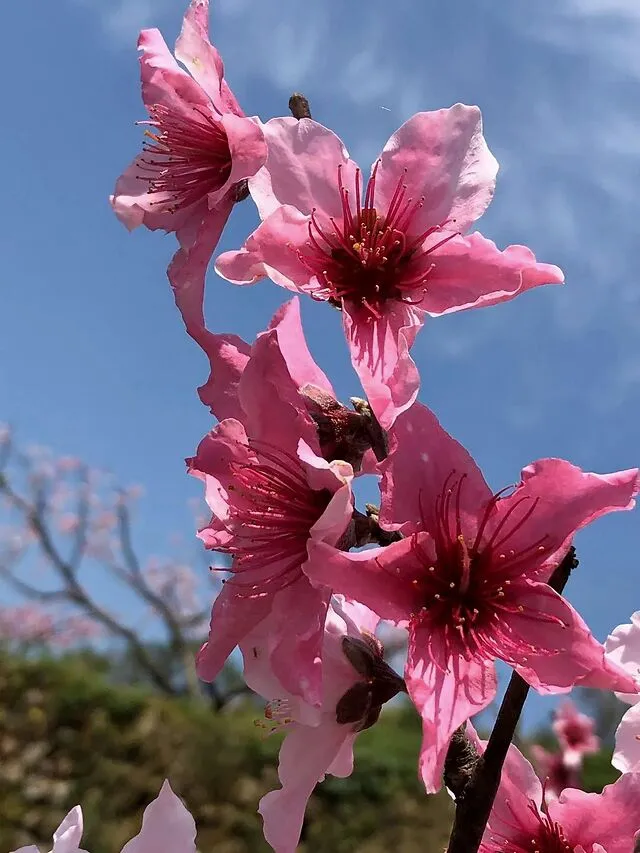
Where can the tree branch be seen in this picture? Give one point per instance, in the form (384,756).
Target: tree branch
(75,593)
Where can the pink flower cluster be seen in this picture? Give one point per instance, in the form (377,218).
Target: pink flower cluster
(461,567)
(576,738)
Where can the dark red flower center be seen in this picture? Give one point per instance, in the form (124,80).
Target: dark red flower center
(549,837)
(272,510)
(186,158)
(370,256)
(574,733)
(466,590)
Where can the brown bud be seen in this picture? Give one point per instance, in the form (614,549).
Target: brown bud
(361,704)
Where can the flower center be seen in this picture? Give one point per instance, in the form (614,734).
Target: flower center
(186,158)
(272,510)
(574,734)
(370,257)
(549,838)
(466,590)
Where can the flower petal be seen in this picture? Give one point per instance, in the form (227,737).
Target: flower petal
(610,819)
(302,169)
(67,837)
(380,356)
(166,825)
(272,250)
(424,461)
(557,499)
(298,618)
(163,81)
(626,757)
(379,578)
(228,356)
(293,346)
(274,412)
(187,271)
(203,61)
(305,756)
(442,157)
(471,272)
(623,647)
(511,813)
(446,692)
(247,149)
(232,618)
(561,652)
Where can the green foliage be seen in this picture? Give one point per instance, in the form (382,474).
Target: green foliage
(68,736)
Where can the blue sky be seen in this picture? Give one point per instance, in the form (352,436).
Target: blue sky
(93,358)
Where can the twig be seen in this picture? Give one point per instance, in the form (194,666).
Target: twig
(299,106)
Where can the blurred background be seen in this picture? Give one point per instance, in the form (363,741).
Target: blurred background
(104,590)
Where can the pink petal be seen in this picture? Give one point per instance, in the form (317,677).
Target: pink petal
(446,692)
(228,356)
(358,619)
(379,578)
(626,757)
(342,765)
(203,61)
(67,837)
(558,649)
(471,272)
(511,813)
(163,81)
(610,819)
(380,356)
(166,825)
(298,617)
(232,618)
(293,346)
(274,412)
(270,251)
(225,444)
(247,148)
(422,461)
(134,205)
(322,474)
(188,268)
(302,169)
(442,157)
(305,756)
(558,499)
(623,647)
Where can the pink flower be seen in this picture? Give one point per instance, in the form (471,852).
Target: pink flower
(356,683)
(271,494)
(556,774)
(199,148)
(469,579)
(521,821)
(623,648)
(575,733)
(393,256)
(166,825)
